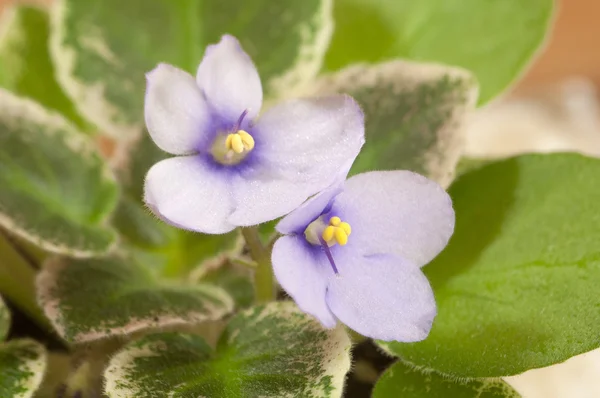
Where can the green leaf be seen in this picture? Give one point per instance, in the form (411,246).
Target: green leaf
(22,366)
(98,298)
(235,280)
(268,351)
(56,190)
(25,65)
(494,39)
(517,287)
(413,114)
(103,49)
(402,381)
(4,319)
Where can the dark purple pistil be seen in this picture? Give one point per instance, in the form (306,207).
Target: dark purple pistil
(325,247)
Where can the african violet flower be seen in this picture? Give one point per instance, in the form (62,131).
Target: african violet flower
(234,170)
(354,252)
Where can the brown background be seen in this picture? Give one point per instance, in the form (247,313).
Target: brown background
(572,49)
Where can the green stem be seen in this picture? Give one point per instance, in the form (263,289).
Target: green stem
(17,283)
(263,277)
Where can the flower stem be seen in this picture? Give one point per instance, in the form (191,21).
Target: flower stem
(264,285)
(17,283)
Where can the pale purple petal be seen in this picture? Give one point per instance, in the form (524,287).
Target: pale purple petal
(299,218)
(311,140)
(230,80)
(175,111)
(265,198)
(190,194)
(397,212)
(382,296)
(302,271)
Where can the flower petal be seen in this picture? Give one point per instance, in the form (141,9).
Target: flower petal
(297,221)
(230,80)
(175,111)
(190,194)
(301,272)
(382,296)
(311,140)
(397,212)
(265,198)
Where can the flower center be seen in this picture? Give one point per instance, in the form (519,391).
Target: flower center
(239,142)
(336,232)
(232,148)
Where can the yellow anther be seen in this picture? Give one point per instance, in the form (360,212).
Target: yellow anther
(336,232)
(340,236)
(239,142)
(328,233)
(346,227)
(247,140)
(236,143)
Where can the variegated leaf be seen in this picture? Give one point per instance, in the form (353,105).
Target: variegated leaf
(98,298)
(267,351)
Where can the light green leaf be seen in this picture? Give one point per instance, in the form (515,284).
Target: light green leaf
(267,351)
(25,65)
(517,287)
(103,49)
(97,298)
(22,366)
(4,319)
(402,381)
(495,39)
(414,114)
(56,190)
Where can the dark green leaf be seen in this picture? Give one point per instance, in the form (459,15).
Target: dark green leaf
(517,288)
(402,381)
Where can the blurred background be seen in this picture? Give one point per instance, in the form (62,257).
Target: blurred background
(553,107)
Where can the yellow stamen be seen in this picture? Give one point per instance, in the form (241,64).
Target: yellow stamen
(336,232)
(228,141)
(328,233)
(341,237)
(236,144)
(346,227)
(239,142)
(247,140)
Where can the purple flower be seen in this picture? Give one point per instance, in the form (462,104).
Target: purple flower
(354,252)
(234,169)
